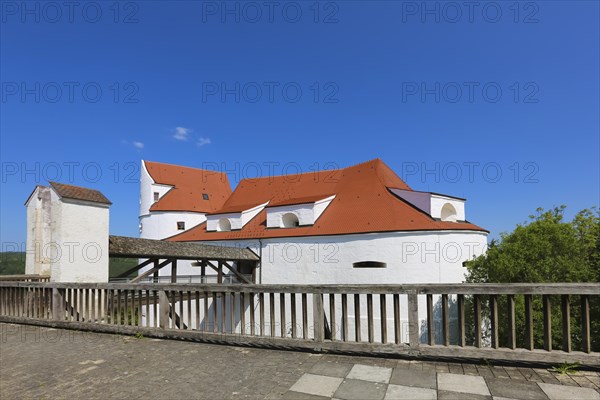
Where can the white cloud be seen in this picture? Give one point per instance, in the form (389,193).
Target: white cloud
(202,141)
(181,133)
(138,145)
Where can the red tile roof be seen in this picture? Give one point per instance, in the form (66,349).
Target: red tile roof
(79,193)
(362,204)
(189,185)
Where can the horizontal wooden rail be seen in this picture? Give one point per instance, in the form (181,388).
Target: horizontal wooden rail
(492,321)
(25,278)
(433,288)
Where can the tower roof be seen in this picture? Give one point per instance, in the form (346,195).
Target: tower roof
(79,193)
(193,189)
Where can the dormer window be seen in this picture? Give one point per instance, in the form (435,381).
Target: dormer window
(205,196)
(289,220)
(156,196)
(180,225)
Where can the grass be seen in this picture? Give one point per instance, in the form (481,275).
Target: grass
(565,368)
(13,263)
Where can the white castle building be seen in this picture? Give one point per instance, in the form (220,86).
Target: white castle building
(361,224)
(357,225)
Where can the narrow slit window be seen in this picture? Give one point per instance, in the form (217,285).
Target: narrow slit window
(369,264)
(156,196)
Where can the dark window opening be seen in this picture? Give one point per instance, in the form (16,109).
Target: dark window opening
(156,196)
(205,196)
(180,226)
(369,264)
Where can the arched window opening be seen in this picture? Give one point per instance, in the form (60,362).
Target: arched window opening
(448,213)
(224,225)
(289,220)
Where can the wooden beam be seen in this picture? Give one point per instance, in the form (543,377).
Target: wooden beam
(150,271)
(236,273)
(136,268)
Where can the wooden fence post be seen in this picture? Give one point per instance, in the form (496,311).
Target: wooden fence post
(58,304)
(413,321)
(163,309)
(318,319)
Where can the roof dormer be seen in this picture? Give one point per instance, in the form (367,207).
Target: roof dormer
(230,220)
(438,206)
(297,212)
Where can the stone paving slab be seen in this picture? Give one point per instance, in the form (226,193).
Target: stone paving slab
(38,362)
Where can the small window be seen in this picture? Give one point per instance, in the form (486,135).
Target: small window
(156,196)
(290,220)
(369,264)
(180,225)
(205,196)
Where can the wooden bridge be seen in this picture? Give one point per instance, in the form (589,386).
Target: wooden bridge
(429,320)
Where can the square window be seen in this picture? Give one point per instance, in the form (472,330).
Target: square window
(180,225)
(156,196)
(205,196)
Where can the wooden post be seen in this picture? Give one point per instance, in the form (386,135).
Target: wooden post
(397,337)
(174,271)
(477,319)
(345,317)
(494,320)
(430,321)
(445,321)
(460,305)
(318,318)
(163,309)
(413,321)
(58,304)
(370,317)
(566,322)
(547,311)
(333,323)
(293,315)
(383,317)
(512,332)
(357,332)
(585,324)
(156,262)
(529,344)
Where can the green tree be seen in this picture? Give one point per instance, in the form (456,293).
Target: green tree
(542,250)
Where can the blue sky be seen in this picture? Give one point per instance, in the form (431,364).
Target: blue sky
(497,103)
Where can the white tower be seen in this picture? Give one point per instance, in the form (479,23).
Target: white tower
(67,233)
(174,199)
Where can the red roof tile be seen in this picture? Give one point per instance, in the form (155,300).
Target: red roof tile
(79,193)
(189,185)
(362,204)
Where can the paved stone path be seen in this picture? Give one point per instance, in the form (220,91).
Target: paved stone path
(51,363)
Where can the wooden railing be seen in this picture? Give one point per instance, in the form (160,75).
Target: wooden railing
(26,278)
(433,320)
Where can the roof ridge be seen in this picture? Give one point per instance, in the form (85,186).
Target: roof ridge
(183,166)
(312,172)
